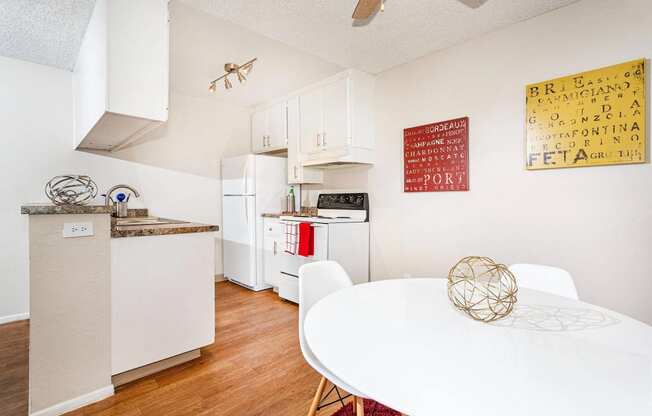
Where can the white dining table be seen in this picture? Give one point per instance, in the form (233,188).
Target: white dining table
(403,344)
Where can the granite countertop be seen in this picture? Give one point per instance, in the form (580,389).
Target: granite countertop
(271,215)
(50,209)
(171,227)
(166,227)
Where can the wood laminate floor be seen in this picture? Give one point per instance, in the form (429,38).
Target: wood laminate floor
(254,368)
(14,359)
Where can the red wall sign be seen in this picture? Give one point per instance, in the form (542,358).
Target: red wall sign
(436,157)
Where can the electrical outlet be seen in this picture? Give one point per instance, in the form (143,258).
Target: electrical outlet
(77,229)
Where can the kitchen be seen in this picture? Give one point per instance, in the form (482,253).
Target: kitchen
(324,114)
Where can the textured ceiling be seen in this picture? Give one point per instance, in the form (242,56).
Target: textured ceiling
(46,32)
(408,29)
(200,45)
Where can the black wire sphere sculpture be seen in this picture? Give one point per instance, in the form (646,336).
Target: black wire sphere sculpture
(71,190)
(481,288)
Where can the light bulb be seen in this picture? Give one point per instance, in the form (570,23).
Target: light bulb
(241,77)
(382,6)
(212,87)
(227,83)
(246,69)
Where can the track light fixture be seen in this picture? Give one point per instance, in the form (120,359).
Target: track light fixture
(241,71)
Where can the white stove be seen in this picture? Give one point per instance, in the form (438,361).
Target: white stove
(319,219)
(337,208)
(341,233)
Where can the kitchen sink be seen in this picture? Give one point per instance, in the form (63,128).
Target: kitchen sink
(140,221)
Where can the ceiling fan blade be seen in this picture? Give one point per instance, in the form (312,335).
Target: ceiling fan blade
(474,4)
(366,8)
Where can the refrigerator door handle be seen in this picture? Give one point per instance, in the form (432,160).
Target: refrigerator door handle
(245,176)
(246,201)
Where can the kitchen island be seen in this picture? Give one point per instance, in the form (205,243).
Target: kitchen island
(111,302)
(162,294)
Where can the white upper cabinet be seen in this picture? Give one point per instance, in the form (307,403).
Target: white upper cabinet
(330,123)
(277,127)
(311,121)
(269,132)
(121,79)
(337,125)
(259,131)
(335,111)
(297,173)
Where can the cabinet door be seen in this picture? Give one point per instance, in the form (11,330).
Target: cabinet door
(311,121)
(138,58)
(277,127)
(335,113)
(259,131)
(293,141)
(272,251)
(296,173)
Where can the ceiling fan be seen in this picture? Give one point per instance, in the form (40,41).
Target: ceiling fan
(366,8)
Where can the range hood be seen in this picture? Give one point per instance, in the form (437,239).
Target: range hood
(346,156)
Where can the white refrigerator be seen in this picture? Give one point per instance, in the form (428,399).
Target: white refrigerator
(251,185)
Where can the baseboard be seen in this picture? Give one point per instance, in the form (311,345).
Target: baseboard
(13,318)
(219,278)
(140,372)
(76,403)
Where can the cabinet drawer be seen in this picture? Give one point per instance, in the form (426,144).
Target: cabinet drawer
(288,287)
(272,229)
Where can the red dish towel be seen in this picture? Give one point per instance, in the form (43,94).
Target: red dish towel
(306,240)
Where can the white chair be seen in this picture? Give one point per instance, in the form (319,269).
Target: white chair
(545,278)
(316,281)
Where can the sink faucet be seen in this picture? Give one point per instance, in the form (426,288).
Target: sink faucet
(121,207)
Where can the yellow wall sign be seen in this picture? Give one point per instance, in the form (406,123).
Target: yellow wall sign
(588,119)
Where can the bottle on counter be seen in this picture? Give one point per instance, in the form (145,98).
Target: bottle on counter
(290,201)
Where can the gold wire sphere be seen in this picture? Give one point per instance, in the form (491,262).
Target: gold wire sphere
(482,289)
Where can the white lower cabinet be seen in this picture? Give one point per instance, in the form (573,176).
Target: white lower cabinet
(162,297)
(273,246)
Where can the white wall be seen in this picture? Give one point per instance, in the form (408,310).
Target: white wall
(596,222)
(204,127)
(36,135)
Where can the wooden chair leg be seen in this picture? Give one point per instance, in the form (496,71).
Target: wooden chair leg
(317,398)
(359,406)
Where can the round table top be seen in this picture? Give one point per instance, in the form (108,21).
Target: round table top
(403,344)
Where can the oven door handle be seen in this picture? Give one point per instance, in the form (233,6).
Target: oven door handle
(313,225)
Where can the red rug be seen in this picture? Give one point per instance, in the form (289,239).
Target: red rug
(371,408)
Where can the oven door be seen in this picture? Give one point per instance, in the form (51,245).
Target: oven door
(290,263)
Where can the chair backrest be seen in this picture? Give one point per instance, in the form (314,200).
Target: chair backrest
(545,278)
(316,281)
